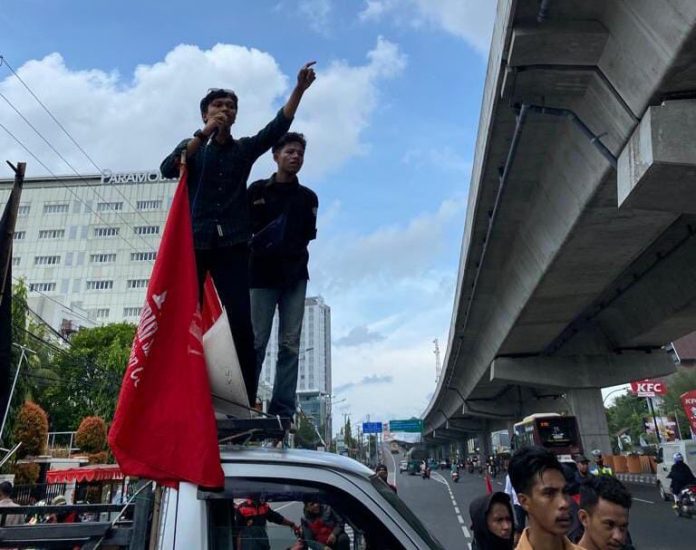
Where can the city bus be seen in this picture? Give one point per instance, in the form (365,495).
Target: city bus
(559,434)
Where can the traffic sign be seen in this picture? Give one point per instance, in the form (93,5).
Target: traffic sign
(372,427)
(648,388)
(414,425)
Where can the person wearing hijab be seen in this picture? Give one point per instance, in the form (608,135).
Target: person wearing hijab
(491,522)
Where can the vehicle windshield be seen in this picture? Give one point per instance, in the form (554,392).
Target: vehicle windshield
(405,512)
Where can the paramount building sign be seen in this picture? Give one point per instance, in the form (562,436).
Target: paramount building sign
(152,176)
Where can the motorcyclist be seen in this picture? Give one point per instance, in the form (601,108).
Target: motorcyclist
(599,469)
(681,476)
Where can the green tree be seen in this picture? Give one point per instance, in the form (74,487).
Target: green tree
(626,415)
(306,435)
(684,380)
(89,375)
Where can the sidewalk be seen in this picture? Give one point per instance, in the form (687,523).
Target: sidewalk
(644,479)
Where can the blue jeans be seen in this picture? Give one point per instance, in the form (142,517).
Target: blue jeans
(290,303)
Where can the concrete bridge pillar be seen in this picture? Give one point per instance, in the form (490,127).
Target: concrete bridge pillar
(587,406)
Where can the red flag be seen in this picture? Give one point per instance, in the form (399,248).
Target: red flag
(164,428)
(489,485)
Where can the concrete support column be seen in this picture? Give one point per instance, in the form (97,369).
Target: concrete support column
(587,406)
(484,443)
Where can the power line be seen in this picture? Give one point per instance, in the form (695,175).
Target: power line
(68,188)
(99,169)
(38,133)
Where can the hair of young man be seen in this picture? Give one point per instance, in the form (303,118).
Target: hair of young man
(529,463)
(214,94)
(606,487)
(290,137)
(6,488)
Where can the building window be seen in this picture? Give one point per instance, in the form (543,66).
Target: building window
(99,285)
(46,260)
(102,313)
(42,287)
(106,231)
(146,230)
(149,204)
(131,312)
(23,209)
(142,256)
(51,233)
(16,260)
(109,207)
(137,283)
(102,258)
(56,208)
(19,235)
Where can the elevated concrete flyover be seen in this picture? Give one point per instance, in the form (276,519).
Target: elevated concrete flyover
(578,260)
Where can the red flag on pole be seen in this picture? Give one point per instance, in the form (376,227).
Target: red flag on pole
(164,428)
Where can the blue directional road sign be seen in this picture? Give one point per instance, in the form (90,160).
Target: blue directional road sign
(414,425)
(372,427)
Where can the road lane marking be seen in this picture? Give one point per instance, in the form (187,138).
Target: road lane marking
(456,509)
(460,518)
(641,500)
(466,531)
(469,545)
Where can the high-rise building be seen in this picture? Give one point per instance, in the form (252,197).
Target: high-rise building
(314,373)
(86,245)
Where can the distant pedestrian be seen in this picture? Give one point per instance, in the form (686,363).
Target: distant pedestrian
(537,477)
(583,468)
(283,221)
(599,468)
(7,502)
(491,522)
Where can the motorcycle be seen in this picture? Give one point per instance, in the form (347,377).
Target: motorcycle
(685,505)
(426,473)
(455,476)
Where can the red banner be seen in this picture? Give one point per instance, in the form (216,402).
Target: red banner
(688,401)
(164,428)
(648,388)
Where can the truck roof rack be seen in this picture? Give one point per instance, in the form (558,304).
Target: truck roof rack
(252,429)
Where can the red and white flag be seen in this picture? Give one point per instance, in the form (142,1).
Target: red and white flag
(164,428)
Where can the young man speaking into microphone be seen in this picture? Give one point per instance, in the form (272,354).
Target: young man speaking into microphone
(219,167)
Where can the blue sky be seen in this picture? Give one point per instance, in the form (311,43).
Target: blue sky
(391,123)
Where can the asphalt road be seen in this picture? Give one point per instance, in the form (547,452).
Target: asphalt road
(443,506)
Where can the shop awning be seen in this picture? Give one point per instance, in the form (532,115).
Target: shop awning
(87,473)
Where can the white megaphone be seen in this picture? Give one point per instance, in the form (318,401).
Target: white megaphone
(224,373)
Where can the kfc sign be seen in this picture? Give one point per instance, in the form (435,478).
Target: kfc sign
(648,388)
(688,401)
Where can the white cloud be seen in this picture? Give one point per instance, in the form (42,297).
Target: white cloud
(471,20)
(390,254)
(317,12)
(132,123)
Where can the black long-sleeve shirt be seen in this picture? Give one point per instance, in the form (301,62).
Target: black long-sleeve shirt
(286,263)
(217,178)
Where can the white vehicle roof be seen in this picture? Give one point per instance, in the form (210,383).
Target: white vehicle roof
(294,457)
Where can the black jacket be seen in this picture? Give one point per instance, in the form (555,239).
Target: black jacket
(681,476)
(217,177)
(283,221)
(478,510)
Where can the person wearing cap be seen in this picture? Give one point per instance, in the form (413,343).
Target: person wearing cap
(583,468)
(218,169)
(383,474)
(7,502)
(321,527)
(62,517)
(599,469)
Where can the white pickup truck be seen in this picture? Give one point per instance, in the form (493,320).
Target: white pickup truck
(192,518)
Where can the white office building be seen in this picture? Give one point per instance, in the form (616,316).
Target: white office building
(86,245)
(314,374)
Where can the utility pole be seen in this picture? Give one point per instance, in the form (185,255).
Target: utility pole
(438,365)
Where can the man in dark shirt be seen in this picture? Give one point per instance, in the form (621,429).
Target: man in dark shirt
(283,219)
(219,167)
